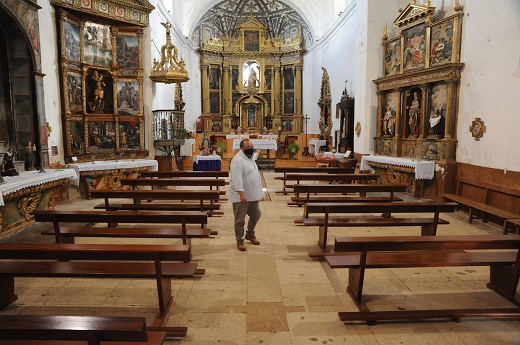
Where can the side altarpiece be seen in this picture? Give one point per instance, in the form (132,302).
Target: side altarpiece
(101,70)
(417,95)
(252,82)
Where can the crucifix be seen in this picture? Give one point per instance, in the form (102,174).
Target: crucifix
(306,148)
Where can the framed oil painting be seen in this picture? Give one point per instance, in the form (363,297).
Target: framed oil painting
(414,47)
(74,102)
(101,136)
(99,91)
(251,40)
(127,51)
(97,44)
(216,125)
(268,74)
(288,102)
(128,97)
(214,78)
(214,102)
(441,42)
(71,41)
(393,57)
(287,126)
(76,136)
(288,78)
(129,134)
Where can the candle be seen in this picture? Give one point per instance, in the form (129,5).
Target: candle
(279,129)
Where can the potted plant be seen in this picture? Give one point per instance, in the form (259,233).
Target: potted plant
(293,149)
(221,147)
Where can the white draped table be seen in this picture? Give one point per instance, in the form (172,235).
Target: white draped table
(187,149)
(424,170)
(260,144)
(315,143)
(34,178)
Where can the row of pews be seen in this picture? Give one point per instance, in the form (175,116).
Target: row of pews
(158,212)
(358,201)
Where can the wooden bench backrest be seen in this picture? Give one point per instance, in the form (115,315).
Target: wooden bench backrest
(145,252)
(362,207)
(157,194)
(172,182)
(170,174)
(327,170)
(331,177)
(348,188)
(61,327)
(166,217)
(489,194)
(441,243)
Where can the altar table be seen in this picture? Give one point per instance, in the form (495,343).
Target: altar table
(207,163)
(260,144)
(315,144)
(424,170)
(186,150)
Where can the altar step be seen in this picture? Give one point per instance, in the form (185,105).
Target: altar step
(265,164)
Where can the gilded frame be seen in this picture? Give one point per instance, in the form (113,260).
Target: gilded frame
(127,96)
(414,47)
(251,40)
(74,84)
(392,62)
(259,66)
(445,32)
(128,48)
(72,40)
(75,134)
(100,135)
(129,133)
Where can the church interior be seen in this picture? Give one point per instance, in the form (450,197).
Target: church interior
(97,92)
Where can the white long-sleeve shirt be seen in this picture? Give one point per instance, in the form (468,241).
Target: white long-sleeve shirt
(244,177)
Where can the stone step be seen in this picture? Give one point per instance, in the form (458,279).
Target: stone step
(265,164)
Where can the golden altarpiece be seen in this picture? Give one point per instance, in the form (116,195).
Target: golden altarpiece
(417,96)
(101,69)
(252,82)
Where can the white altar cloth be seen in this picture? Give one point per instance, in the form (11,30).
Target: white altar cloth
(424,170)
(260,144)
(113,165)
(198,158)
(187,149)
(315,143)
(246,136)
(34,178)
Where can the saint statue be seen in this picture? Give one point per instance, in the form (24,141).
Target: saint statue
(8,168)
(413,115)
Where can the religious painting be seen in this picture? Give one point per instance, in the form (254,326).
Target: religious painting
(234,79)
(414,47)
(97,44)
(431,150)
(385,147)
(234,99)
(288,78)
(216,125)
(129,134)
(288,102)
(128,97)
(234,122)
(287,126)
(267,97)
(214,78)
(214,102)
(251,116)
(74,93)
(71,41)
(268,74)
(127,51)
(101,136)
(76,137)
(251,40)
(441,49)
(393,57)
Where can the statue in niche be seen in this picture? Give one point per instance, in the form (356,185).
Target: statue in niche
(389,121)
(97,104)
(8,168)
(436,125)
(413,115)
(29,156)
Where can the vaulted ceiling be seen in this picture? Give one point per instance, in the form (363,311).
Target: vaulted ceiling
(281,18)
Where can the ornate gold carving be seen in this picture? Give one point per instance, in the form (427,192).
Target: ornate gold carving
(386,166)
(394,177)
(358,129)
(113,180)
(169,69)
(34,189)
(477,128)
(28,204)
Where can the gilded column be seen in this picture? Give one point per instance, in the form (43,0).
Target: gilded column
(450,109)
(398,113)
(227,90)
(205,89)
(422,121)
(276,90)
(379,113)
(298,90)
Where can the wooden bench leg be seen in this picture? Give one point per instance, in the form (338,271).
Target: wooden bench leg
(470,214)
(164,292)
(428,230)
(322,240)
(356,277)
(7,295)
(504,281)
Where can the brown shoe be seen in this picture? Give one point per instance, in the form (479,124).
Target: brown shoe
(241,246)
(252,239)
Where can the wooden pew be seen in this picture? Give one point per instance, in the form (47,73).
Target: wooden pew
(67,234)
(362,189)
(139,195)
(98,261)
(94,330)
(428,225)
(172,174)
(340,178)
(175,182)
(484,199)
(361,253)
(307,170)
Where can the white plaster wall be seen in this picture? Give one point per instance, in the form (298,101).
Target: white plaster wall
(51,81)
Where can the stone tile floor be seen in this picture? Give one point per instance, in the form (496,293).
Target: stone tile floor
(274,293)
